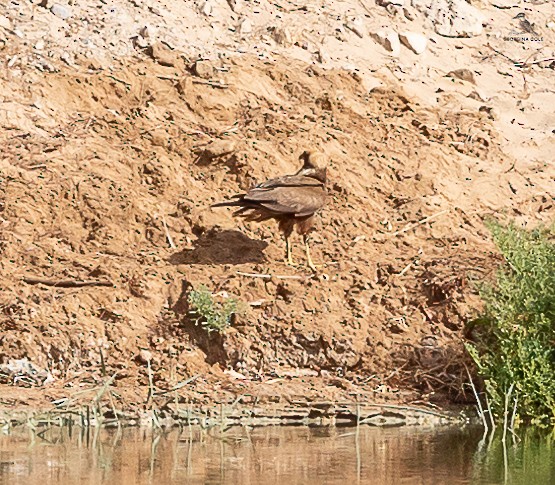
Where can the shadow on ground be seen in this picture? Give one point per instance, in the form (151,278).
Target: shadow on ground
(222,247)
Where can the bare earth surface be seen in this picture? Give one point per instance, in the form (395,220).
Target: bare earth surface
(103,170)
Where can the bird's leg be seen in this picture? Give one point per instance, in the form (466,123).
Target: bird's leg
(311,264)
(289,256)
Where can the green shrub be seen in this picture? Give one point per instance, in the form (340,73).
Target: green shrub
(213,315)
(515,337)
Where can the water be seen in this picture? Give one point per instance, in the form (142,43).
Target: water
(274,455)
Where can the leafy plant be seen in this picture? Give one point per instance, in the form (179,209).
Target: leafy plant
(213,315)
(515,337)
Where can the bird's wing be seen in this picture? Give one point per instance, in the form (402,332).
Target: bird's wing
(295,200)
(290,181)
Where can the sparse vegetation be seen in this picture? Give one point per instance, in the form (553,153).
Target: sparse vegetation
(514,340)
(213,315)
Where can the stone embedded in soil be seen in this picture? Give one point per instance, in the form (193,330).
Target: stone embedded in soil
(415,42)
(323,56)
(452,18)
(463,74)
(389,40)
(282,36)
(245,27)
(62,11)
(203,69)
(145,356)
(147,32)
(163,55)
(5,23)
(235,5)
(357,26)
(206,9)
(219,148)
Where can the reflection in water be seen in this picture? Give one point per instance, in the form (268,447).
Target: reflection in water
(269,455)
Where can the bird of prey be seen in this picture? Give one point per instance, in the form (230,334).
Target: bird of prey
(524,24)
(292,200)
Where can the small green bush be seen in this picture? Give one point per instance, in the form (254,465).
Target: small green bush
(211,314)
(515,337)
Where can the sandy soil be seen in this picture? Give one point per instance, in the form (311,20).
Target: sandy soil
(102,159)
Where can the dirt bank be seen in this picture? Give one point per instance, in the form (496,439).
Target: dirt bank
(102,170)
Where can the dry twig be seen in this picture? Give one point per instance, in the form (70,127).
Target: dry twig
(30,280)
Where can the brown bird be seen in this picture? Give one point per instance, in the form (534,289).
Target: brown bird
(292,200)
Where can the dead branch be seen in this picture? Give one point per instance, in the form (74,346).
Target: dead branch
(65,283)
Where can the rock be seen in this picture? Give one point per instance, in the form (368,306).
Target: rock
(463,74)
(66,57)
(357,26)
(235,5)
(12,61)
(5,23)
(219,148)
(323,56)
(385,3)
(389,40)
(145,37)
(490,112)
(163,55)
(94,64)
(415,42)
(145,356)
(477,96)
(206,9)
(282,36)
(39,45)
(452,18)
(409,15)
(62,11)
(147,32)
(245,27)
(203,69)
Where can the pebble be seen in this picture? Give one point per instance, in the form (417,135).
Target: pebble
(415,42)
(61,11)
(145,356)
(39,45)
(66,57)
(385,3)
(409,15)
(235,5)
(463,74)
(5,23)
(147,32)
(357,26)
(389,40)
(203,69)
(245,27)
(206,9)
(219,148)
(323,56)
(282,36)
(163,55)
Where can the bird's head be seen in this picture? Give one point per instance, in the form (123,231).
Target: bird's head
(314,165)
(520,16)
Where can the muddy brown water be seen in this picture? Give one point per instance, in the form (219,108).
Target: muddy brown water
(288,455)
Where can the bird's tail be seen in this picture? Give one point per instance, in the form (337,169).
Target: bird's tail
(228,203)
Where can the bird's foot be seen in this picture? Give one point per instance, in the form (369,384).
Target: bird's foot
(289,261)
(314,267)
